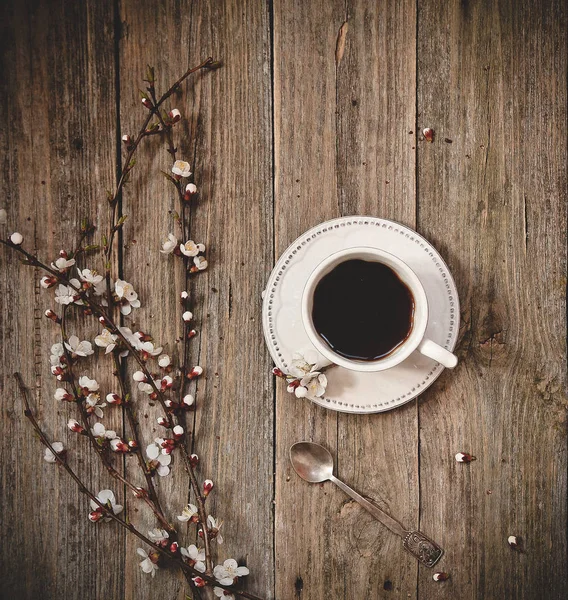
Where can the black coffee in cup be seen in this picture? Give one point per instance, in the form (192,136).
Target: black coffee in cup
(363,310)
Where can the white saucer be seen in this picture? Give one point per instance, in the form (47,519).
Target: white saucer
(352,391)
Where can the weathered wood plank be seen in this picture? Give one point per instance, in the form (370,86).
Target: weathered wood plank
(227,140)
(492,78)
(342,147)
(58,143)
(377,454)
(305,35)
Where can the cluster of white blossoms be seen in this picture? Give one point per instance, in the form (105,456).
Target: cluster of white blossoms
(89,291)
(304,380)
(189,249)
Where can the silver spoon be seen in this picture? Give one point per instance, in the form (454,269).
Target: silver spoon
(314,463)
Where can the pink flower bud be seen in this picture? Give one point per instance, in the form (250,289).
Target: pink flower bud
(126,139)
(195,372)
(178,432)
(175,115)
(168,403)
(191,333)
(16,238)
(139,376)
(276,371)
(174,546)
(166,383)
(194,460)
(191,188)
(113,399)
(47,282)
(440,576)
(163,421)
(207,487)
(187,316)
(51,315)
(184,295)
(74,426)
(132,444)
(96,515)
(428,134)
(188,400)
(140,492)
(199,582)
(118,445)
(146,103)
(464,457)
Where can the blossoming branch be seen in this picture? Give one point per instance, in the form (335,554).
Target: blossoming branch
(109,300)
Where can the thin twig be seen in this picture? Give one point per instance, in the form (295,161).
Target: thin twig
(108,512)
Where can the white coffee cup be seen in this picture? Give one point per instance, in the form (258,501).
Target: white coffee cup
(415,340)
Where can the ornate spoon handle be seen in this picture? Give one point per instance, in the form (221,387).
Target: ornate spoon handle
(423,548)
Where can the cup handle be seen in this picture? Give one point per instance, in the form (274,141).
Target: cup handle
(439,354)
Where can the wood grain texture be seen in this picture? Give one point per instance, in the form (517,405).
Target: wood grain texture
(492,78)
(316,113)
(58,145)
(227,140)
(375,161)
(342,147)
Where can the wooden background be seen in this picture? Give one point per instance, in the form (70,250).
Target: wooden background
(316,113)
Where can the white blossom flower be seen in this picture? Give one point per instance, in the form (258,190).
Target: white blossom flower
(79,348)
(3,216)
(139,376)
(188,513)
(312,386)
(154,453)
(200,262)
(99,431)
(302,364)
(91,277)
(65,294)
(187,316)
(305,380)
(164,361)
(90,385)
(195,556)
(127,296)
(56,353)
(190,248)
(147,565)
(169,244)
(100,288)
(106,340)
(191,188)
(228,571)
(106,497)
(149,348)
(223,593)
(181,168)
(63,263)
(92,405)
(62,394)
(49,456)
(214,525)
(184,295)
(16,238)
(158,535)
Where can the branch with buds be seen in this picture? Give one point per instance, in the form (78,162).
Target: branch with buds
(109,300)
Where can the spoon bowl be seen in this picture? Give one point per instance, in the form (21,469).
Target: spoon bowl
(314,463)
(311,462)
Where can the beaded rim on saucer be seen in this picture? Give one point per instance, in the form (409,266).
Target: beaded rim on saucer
(401,241)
